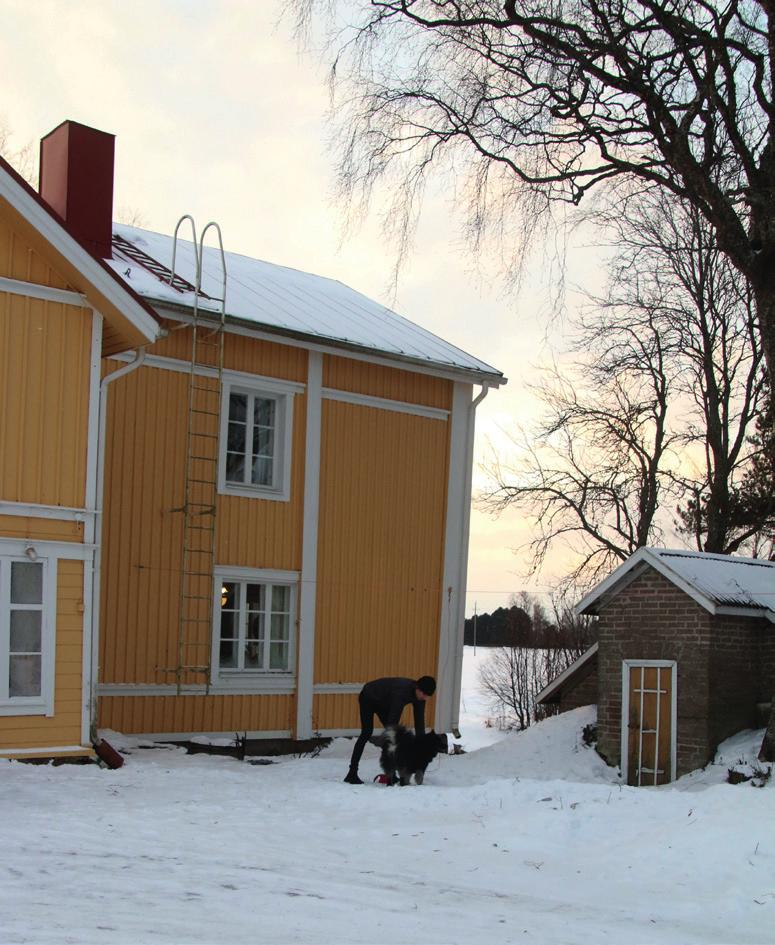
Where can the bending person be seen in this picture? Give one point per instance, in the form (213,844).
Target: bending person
(386,699)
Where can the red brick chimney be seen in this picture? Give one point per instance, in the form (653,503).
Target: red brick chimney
(76,180)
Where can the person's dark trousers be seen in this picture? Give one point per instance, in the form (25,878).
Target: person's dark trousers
(368,710)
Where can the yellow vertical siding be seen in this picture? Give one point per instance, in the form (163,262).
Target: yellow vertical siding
(64,727)
(380,548)
(376,380)
(19,260)
(241,353)
(332,711)
(142,537)
(380,542)
(45,350)
(40,529)
(173,714)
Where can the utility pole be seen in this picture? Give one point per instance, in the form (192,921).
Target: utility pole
(474,628)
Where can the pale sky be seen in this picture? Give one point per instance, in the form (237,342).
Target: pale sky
(217,113)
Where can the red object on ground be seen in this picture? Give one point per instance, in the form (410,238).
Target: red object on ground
(107,753)
(381,779)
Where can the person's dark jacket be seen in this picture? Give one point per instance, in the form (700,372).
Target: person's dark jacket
(390,694)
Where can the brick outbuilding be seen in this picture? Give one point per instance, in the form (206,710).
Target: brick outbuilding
(685,658)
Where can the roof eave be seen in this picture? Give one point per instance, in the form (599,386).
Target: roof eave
(727,610)
(456,372)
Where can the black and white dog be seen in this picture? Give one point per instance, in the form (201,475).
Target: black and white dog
(404,754)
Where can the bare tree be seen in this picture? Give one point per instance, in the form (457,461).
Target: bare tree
(591,474)
(669,276)
(537,101)
(659,410)
(513,676)
(23,158)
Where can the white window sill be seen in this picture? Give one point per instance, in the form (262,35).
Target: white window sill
(255,492)
(253,682)
(31,707)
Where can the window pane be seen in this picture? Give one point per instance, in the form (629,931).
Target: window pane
(26,582)
(235,467)
(255,630)
(262,471)
(228,625)
(25,631)
(279,627)
(281,597)
(228,658)
(263,442)
(238,407)
(229,595)
(263,412)
(236,438)
(24,676)
(278,656)
(254,654)
(255,596)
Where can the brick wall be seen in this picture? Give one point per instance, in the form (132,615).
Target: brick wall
(738,674)
(651,619)
(584,693)
(767,657)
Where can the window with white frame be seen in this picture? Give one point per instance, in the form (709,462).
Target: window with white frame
(254,626)
(255,442)
(26,638)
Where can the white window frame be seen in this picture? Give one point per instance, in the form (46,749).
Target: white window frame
(282,395)
(255,680)
(44,703)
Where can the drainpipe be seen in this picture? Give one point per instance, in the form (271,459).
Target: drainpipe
(95,602)
(464,538)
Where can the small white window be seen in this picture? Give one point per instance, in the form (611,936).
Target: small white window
(255,442)
(254,628)
(26,638)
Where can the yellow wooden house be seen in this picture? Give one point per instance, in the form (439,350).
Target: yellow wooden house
(285,493)
(61,311)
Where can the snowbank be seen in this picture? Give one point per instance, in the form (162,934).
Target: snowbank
(531,839)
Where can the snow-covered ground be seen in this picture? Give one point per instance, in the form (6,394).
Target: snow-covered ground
(530,838)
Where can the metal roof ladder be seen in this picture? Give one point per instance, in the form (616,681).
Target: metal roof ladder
(197,576)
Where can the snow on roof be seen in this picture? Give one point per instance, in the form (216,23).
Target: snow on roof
(287,300)
(717,582)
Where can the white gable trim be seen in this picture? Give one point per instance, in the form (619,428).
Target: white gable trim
(643,556)
(571,670)
(44,292)
(631,569)
(51,230)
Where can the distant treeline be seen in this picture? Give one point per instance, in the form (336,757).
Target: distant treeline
(515,626)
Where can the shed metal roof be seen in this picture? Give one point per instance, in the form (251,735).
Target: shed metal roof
(720,583)
(277,298)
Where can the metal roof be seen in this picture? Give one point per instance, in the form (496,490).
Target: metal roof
(278,299)
(719,583)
